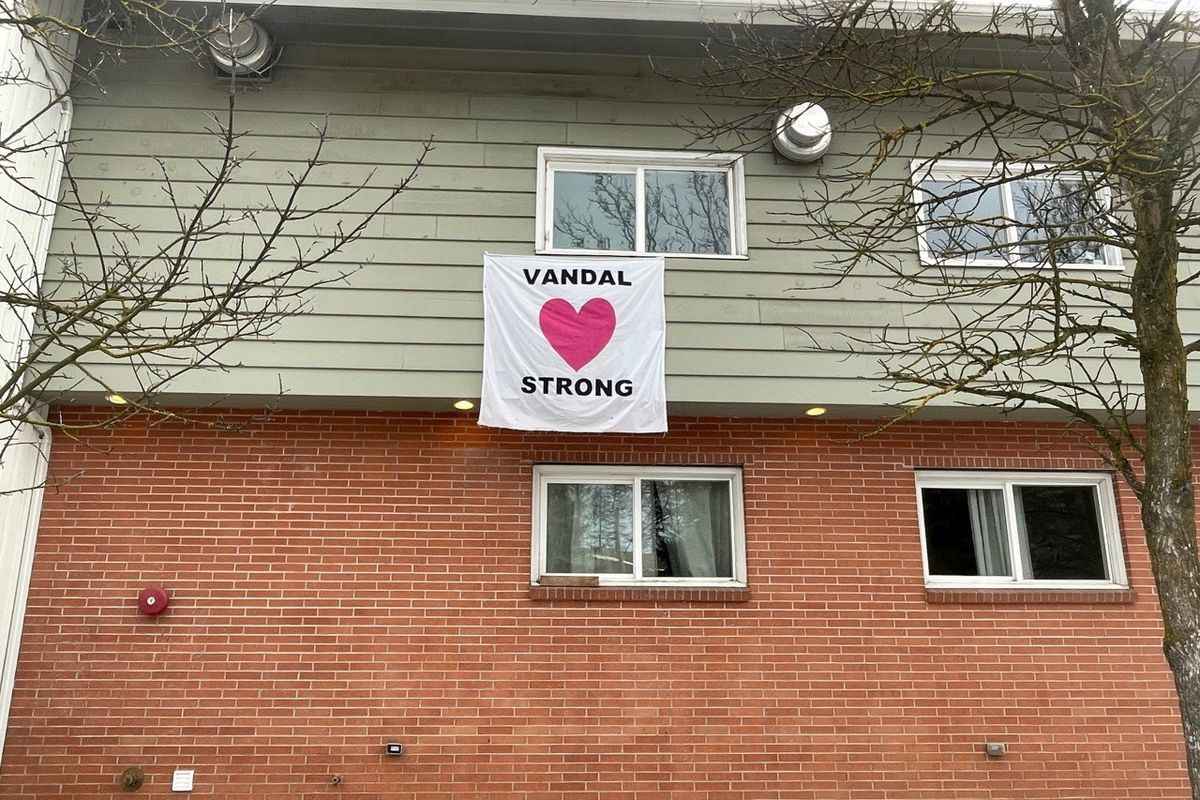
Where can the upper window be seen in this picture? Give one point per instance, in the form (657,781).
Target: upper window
(972,214)
(1036,529)
(643,526)
(640,202)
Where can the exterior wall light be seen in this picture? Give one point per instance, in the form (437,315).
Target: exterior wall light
(803,132)
(116,399)
(241,47)
(816,411)
(464,405)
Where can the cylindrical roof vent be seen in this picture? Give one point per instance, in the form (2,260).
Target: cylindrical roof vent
(241,47)
(803,132)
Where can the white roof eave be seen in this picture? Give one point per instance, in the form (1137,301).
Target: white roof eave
(650,10)
(664,10)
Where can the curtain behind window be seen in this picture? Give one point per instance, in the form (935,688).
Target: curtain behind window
(988,531)
(686,529)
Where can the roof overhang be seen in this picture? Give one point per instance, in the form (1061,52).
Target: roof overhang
(650,10)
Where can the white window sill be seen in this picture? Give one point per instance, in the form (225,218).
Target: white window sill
(1020,265)
(631,254)
(999,595)
(607,582)
(1028,586)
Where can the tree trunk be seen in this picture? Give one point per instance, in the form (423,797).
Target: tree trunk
(1168,498)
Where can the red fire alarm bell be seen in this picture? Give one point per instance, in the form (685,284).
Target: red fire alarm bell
(153,601)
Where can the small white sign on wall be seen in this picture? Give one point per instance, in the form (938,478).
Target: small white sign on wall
(183,780)
(574,344)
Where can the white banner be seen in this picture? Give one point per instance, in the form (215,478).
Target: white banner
(573,344)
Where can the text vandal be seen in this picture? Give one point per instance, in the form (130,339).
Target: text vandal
(575,277)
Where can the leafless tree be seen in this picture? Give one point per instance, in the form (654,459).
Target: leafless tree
(1050,276)
(153,304)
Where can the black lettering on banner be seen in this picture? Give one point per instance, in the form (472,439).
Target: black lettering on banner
(576,387)
(573,277)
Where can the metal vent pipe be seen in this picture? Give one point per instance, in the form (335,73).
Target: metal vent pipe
(241,47)
(803,132)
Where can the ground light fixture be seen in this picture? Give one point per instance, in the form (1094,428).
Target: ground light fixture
(816,411)
(464,405)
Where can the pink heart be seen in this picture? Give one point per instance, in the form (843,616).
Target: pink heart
(578,336)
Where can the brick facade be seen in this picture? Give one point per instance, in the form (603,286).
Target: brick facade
(342,579)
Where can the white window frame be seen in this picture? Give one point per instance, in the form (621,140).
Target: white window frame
(957,169)
(1110,534)
(545,475)
(636,162)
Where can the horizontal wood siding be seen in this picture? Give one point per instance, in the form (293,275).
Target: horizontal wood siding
(774,331)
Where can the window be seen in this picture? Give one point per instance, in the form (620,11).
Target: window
(1034,529)
(640,202)
(972,214)
(639,526)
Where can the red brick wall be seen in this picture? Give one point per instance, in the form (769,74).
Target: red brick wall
(343,579)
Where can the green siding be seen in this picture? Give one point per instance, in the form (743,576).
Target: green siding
(766,334)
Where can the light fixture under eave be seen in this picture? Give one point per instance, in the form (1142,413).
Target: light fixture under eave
(816,411)
(116,399)
(464,405)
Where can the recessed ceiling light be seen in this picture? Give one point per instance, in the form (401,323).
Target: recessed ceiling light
(116,399)
(464,405)
(816,411)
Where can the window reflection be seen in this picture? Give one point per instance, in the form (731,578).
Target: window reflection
(1051,215)
(594,211)
(687,212)
(966,220)
(686,529)
(589,528)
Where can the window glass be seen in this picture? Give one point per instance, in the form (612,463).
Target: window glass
(687,211)
(589,528)
(965,532)
(1005,526)
(1060,532)
(594,210)
(641,202)
(1050,214)
(686,529)
(976,213)
(637,526)
(965,220)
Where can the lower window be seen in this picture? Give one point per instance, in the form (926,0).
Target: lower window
(1037,529)
(639,526)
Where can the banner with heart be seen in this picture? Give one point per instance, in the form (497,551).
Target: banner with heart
(573,344)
